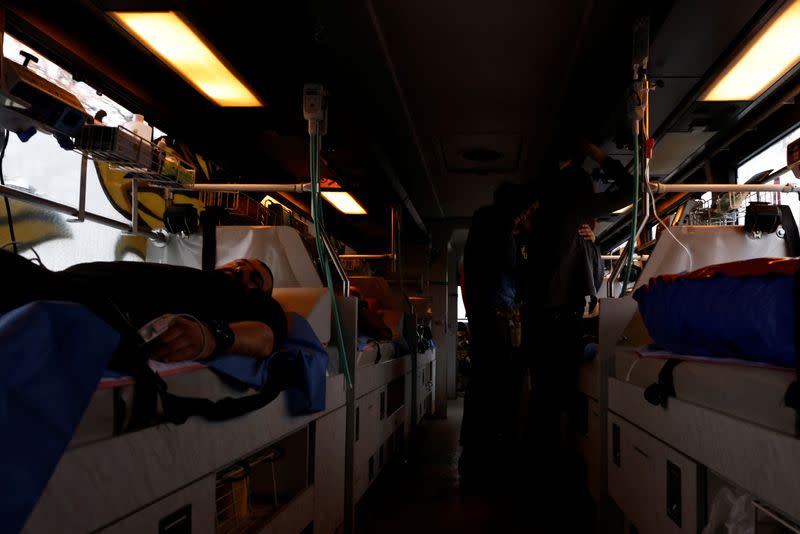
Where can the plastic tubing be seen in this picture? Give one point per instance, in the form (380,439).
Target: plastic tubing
(634,214)
(316,213)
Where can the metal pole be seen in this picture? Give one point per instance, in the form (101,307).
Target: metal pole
(616,257)
(366,256)
(392,245)
(337,264)
(82,197)
(723,188)
(265,188)
(135,206)
(29,198)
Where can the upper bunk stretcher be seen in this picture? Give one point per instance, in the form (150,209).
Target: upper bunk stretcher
(106,407)
(297,289)
(722,337)
(381,321)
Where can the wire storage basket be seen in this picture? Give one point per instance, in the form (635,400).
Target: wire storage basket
(727,209)
(239,510)
(246,208)
(124,150)
(238,205)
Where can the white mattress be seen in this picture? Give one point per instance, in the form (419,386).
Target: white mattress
(110,407)
(750,393)
(375,353)
(313,303)
(280,247)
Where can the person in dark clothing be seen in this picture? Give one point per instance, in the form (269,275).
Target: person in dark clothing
(229,310)
(566,270)
(490,290)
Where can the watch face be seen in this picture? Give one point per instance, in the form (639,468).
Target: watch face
(223,335)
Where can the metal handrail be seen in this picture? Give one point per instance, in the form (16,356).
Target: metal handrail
(30,198)
(337,264)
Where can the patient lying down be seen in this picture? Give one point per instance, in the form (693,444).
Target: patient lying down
(229,310)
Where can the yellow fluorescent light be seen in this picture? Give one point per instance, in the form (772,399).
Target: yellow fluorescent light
(344,202)
(167,36)
(626,209)
(775,50)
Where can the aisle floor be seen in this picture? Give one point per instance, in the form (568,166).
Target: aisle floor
(424,495)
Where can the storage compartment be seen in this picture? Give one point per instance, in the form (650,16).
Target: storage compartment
(400,441)
(367,421)
(768,521)
(654,485)
(425,386)
(428,405)
(253,490)
(726,504)
(329,469)
(395,395)
(187,511)
(589,443)
(370,438)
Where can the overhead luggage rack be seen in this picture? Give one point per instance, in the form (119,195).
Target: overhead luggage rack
(142,160)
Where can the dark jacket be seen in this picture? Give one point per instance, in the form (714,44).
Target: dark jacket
(490,262)
(563,268)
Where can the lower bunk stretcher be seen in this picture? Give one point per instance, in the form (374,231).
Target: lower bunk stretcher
(110,408)
(372,352)
(224,377)
(751,392)
(54,353)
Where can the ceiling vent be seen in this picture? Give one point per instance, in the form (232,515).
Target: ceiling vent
(482,153)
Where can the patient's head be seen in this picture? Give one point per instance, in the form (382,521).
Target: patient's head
(251,273)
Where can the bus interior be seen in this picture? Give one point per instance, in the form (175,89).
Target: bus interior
(329,160)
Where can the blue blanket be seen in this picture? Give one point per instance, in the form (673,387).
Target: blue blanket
(303,352)
(54,353)
(743,317)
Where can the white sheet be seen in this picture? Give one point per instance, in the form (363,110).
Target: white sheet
(369,355)
(754,394)
(313,303)
(280,247)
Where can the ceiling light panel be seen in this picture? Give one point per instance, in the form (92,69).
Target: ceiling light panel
(171,39)
(344,202)
(773,53)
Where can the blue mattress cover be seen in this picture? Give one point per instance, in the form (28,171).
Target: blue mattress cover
(739,317)
(54,353)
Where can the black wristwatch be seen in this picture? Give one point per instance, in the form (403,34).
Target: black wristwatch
(223,336)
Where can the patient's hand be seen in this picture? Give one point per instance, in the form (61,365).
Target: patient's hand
(585,231)
(184,340)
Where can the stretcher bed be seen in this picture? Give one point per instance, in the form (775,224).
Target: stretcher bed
(375,359)
(297,288)
(750,393)
(124,476)
(728,416)
(744,389)
(383,382)
(374,352)
(109,409)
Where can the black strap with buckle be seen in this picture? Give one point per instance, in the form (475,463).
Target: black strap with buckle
(658,394)
(792,397)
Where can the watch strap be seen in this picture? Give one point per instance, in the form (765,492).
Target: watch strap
(223,336)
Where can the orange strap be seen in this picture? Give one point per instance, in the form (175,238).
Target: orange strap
(755,267)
